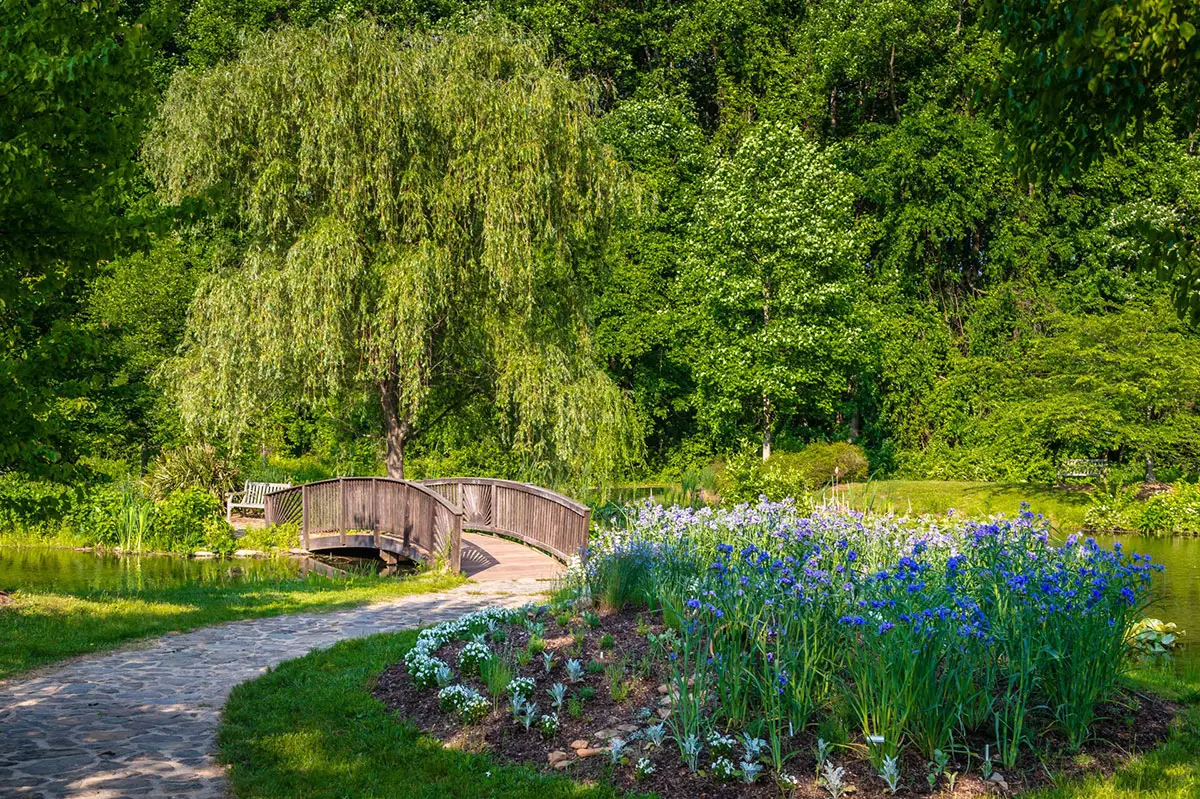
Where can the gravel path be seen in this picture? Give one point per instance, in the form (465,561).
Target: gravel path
(142,721)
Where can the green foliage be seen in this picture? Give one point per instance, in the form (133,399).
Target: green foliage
(191,466)
(273,537)
(191,520)
(1173,512)
(76,85)
(390,253)
(772,277)
(35,506)
(791,474)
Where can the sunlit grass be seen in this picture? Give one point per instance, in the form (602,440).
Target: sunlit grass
(1171,771)
(311,728)
(39,628)
(1064,508)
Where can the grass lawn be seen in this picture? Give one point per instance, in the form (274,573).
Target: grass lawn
(1064,508)
(310,728)
(39,627)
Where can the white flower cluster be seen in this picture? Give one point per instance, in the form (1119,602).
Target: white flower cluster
(468,703)
(522,687)
(472,655)
(723,769)
(420,660)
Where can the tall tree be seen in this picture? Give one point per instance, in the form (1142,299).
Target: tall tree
(1084,77)
(772,275)
(423,214)
(75,83)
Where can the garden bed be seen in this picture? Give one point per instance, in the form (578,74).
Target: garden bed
(624,655)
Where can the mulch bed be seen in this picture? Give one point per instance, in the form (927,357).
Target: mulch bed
(1137,722)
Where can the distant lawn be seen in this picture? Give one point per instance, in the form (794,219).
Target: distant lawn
(1064,508)
(40,627)
(311,728)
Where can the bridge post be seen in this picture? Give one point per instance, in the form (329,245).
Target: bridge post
(342,509)
(304,515)
(375,513)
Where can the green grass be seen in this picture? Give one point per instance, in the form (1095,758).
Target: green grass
(1064,508)
(311,728)
(1171,771)
(37,628)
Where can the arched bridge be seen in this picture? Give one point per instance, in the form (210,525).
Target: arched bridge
(424,521)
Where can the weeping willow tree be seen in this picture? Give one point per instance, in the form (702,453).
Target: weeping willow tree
(420,213)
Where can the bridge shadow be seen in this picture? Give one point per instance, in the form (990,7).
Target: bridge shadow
(476,559)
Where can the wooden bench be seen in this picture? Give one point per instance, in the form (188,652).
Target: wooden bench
(254,495)
(1083,468)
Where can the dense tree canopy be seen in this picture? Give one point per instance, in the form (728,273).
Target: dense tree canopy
(541,250)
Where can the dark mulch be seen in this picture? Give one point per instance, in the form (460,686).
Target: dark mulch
(1136,722)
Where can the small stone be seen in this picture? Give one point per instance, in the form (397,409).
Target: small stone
(627,727)
(557,756)
(998,780)
(592,752)
(203,553)
(606,734)
(562,765)
(247,553)
(580,744)
(663,689)
(663,713)
(665,701)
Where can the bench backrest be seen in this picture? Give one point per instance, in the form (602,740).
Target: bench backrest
(256,493)
(1084,467)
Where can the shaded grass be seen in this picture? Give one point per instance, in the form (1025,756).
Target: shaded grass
(311,728)
(1170,771)
(1064,508)
(40,627)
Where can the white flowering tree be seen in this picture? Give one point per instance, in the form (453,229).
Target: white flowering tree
(773,270)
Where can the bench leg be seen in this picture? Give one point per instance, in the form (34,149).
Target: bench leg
(229,511)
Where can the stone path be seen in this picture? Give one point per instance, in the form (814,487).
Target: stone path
(142,722)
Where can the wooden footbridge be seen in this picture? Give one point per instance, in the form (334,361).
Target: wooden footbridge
(425,520)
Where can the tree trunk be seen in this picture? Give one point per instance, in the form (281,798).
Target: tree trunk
(768,422)
(398,430)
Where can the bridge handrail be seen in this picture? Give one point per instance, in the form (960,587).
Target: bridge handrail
(528,488)
(286,505)
(563,538)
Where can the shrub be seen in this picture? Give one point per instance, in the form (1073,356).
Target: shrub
(191,466)
(38,506)
(276,536)
(190,520)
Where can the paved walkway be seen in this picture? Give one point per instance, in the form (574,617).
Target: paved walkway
(142,721)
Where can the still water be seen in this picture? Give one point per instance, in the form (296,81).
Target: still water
(65,571)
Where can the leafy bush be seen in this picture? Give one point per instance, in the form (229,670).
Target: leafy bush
(34,505)
(791,474)
(276,536)
(190,520)
(191,466)
(1174,512)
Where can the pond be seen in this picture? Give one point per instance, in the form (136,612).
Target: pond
(1177,588)
(37,569)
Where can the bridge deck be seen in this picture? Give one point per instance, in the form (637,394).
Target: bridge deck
(488,558)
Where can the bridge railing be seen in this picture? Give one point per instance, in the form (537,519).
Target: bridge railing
(398,516)
(539,517)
